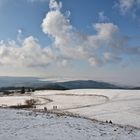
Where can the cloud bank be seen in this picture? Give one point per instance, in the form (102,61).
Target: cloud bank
(107,45)
(27,53)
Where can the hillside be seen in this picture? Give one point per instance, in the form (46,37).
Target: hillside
(83,84)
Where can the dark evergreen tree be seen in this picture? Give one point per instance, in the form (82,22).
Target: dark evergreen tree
(22,90)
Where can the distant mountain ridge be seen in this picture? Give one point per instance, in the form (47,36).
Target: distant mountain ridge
(7,83)
(85,84)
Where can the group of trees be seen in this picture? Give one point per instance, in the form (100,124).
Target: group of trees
(23,90)
(11,90)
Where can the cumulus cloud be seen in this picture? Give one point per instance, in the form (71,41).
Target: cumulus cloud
(27,53)
(71,44)
(68,44)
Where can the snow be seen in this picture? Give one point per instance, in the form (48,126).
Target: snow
(21,125)
(65,102)
(13,100)
(120,106)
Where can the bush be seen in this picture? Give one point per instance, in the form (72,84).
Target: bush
(30,102)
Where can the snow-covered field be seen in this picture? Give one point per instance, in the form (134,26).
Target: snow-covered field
(13,100)
(26,125)
(119,106)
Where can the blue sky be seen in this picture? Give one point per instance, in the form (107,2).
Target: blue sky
(88,39)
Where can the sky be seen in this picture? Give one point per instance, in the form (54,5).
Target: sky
(79,39)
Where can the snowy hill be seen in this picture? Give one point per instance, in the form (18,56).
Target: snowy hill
(26,125)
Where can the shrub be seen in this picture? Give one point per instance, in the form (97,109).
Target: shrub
(30,102)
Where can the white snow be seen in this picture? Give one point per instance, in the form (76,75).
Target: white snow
(13,100)
(26,125)
(119,106)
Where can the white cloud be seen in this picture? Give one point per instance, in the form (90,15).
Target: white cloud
(94,61)
(27,53)
(72,44)
(128,6)
(109,57)
(105,46)
(102,17)
(106,31)
(19,35)
(54,5)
